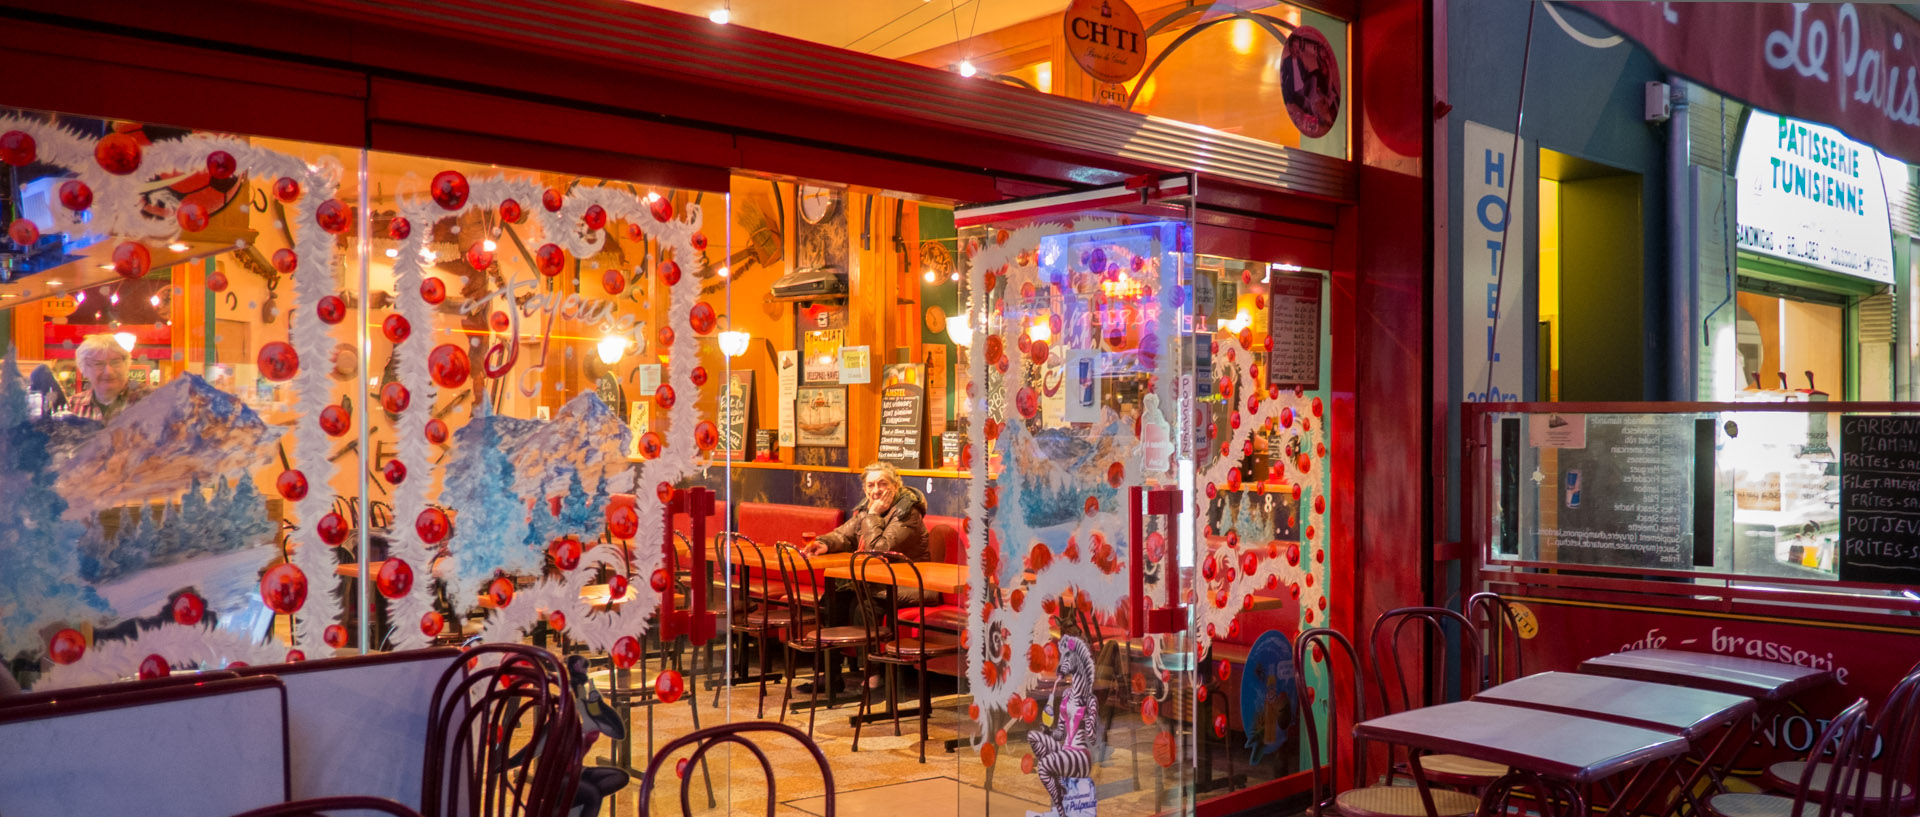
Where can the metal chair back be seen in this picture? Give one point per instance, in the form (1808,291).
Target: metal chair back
(492,699)
(1846,744)
(319,805)
(1499,626)
(706,739)
(879,600)
(1403,683)
(1345,704)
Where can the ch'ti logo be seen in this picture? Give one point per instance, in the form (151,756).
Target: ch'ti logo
(1106,39)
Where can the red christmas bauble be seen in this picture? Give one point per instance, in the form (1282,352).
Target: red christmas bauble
(117,153)
(650,444)
(1220,725)
(66,646)
(286,189)
(613,281)
(449,189)
(479,257)
(433,291)
(23,232)
(436,431)
(296,656)
(500,590)
(665,491)
(670,272)
(132,260)
(395,578)
(669,686)
(661,580)
(399,228)
(332,528)
(595,217)
(500,321)
(432,526)
(334,420)
(706,435)
(335,636)
(701,318)
(332,216)
(396,328)
(220,165)
(622,521)
(557,620)
(666,336)
(551,199)
(217,281)
(1149,711)
(988,752)
(192,216)
(617,587)
(625,652)
(1027,402)
(395,398)
(550,259)
(448,365)
(700,241)
(664,396)
(432,623)
(1164,750)
(511,212)
(565,553)
(331,309)
(698,375)
(291,484)
(188,609)
(394,471)
(278,361)
(153,666)
(286,261)
(661,207)
(284,588)
(18,148)
(75,195)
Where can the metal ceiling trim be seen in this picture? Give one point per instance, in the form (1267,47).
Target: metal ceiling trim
(658,41)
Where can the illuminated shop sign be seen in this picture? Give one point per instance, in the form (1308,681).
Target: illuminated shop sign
(1810,195)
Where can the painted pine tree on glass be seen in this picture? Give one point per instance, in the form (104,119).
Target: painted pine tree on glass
(490,525)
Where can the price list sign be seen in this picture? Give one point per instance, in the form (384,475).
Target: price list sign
(1880,499)
(1293,323)
(903,409)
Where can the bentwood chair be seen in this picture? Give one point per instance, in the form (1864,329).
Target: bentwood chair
(812,633)
(1344,704)
(1837,787)
(503,736)
(1888,778)
(892,645)
(1498,623)
(770,609)
(321,805)
(732,734)
(1408,631)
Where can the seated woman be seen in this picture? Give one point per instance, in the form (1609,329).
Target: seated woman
(892,519)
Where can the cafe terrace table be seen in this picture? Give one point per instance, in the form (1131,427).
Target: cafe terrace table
(1567,748)
(1768,681)
(1694,714)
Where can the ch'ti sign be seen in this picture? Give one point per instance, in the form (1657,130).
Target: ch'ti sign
(1106,39)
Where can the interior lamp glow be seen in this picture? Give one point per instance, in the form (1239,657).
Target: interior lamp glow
(959,330)
(1238,322)
(126,340)
(733,343)
(720,16)
(967,69)
(611,349)
(1040,330)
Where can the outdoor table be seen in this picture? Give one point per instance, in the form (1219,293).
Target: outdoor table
(1769,681)
(1568,748)
(1694,714)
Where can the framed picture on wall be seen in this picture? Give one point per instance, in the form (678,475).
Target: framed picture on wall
(736,416)
(820,416)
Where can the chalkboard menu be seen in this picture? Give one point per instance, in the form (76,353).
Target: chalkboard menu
(1624,490)
(1880,499)
(903,415)
(736,416)
(1293,323)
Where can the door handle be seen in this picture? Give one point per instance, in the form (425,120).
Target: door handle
(1172,618)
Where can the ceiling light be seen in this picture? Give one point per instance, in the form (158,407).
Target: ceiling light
(114,298)
(154,299)
(930,275)
(724,272)
(56,283)
(177,247)
(393,253)
(734,343)
(953,276)
(967,69)
(959,330)
(108,267)
(720,16)
(488,245)
(126,340)
(612,349)
(80,298)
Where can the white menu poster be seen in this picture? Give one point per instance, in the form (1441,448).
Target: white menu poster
(649,378)
(789,363)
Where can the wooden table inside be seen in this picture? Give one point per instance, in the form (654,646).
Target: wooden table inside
(938,577)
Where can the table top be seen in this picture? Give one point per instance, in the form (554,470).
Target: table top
(1766,680)
(1685,711)
(1566,747)
(939,577)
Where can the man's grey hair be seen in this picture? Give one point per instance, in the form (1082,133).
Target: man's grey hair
(99,347)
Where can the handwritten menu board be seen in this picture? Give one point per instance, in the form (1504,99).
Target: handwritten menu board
(903,414)
(1880,499)
(1625,497)
(1293,322)
(736,416)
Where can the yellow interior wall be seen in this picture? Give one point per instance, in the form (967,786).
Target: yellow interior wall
(1550,279)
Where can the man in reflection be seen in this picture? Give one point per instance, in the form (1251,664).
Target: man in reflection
(104,365)
(892,519)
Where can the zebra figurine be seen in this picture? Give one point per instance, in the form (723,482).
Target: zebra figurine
(1064,750)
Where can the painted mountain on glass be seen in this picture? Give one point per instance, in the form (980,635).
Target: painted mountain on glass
(584,437)
(184,431)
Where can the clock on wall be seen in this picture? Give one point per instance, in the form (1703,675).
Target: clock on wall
(817,203)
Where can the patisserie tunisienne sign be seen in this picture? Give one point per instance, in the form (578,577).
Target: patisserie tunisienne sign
(1106,39)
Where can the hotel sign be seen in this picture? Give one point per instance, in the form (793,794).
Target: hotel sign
(1810,195)
(1106,39)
